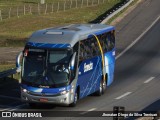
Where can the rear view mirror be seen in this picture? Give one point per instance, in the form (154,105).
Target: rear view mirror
(18,61)
(72,62)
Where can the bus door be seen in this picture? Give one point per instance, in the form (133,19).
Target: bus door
(109,55)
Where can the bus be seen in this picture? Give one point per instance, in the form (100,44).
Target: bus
(63,64)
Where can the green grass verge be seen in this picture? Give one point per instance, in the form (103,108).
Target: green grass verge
(4,67)
(15,31)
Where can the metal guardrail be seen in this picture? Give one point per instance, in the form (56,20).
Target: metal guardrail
(8,73)
(12,71)
(105,17)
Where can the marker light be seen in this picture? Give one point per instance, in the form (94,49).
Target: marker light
(63,92)
(24,90)
(26,52)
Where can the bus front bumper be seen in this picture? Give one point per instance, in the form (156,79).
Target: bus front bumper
(65,99)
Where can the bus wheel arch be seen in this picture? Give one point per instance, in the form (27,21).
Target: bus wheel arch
(106,79)
(76,97)
(78,91)
(101,89)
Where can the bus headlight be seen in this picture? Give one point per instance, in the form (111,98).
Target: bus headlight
(63,92)
(24,90)
(72,89)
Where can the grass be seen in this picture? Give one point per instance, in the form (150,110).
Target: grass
(6,67)
(15,31)
(5,3)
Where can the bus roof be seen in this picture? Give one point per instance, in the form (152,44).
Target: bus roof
(65,36)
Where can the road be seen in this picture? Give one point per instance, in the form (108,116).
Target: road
(137,76)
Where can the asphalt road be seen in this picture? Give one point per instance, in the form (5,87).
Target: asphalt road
(137,76)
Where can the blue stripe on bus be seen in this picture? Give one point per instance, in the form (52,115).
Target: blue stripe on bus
(92,77)
(47,45)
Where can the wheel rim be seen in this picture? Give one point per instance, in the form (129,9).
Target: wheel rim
(100,87)
(104,86)
(75,98)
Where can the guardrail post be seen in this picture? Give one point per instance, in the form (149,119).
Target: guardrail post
(24,10)
(71,4)
(30,9)
(82,4)
(9,14)
(52,7)
(92,2)
(76,3)
(58,7)
(46,9)
(12,76)
(38,9)
(18,12)
(64,5)
(0,15)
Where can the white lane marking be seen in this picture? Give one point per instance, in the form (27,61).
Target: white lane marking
(8,97)
(18,107)
(148,80)
(13,108)
(124,95)
(88,111)
(147,3)
(135,41)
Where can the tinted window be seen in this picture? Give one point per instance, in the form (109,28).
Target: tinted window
(107,41)
(59,57)
(89,48)
(111,40)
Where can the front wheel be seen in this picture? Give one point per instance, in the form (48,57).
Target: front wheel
(102,88)
(75,100)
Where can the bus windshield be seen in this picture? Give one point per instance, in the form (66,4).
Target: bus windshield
(46,68)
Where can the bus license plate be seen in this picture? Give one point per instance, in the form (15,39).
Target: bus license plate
(43,100)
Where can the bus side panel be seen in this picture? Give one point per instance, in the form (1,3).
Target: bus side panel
(110,65)
(90,74)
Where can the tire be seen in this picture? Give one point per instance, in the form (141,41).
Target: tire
(75,100)
(102,88)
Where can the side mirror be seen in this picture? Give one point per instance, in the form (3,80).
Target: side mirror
(72,62)
(18,60)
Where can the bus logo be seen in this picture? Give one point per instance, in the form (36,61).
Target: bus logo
(88,67)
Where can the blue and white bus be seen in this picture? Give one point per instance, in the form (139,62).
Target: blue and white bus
(63,64)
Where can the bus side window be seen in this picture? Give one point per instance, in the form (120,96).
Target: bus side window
(81,54)
(103,42)
(111,40)
(94,47)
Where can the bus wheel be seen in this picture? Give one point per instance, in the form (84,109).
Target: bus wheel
(75,100)
(101,89)
(104,86)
